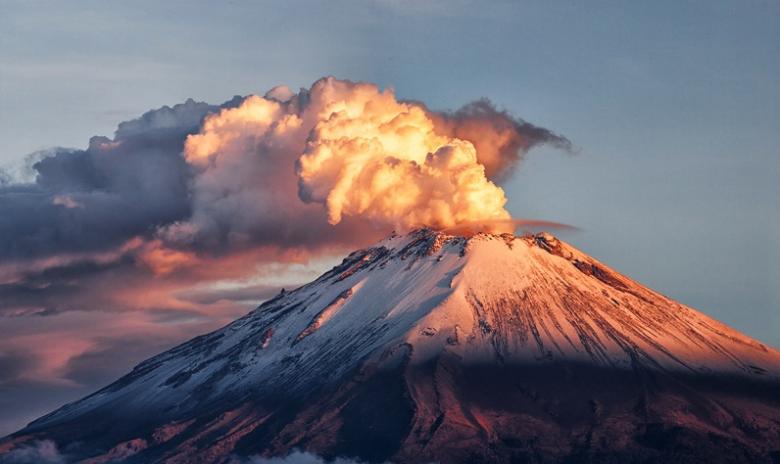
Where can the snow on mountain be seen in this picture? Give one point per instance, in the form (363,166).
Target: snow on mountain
(407,303)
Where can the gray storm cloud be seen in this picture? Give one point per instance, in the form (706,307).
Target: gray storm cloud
(125,187)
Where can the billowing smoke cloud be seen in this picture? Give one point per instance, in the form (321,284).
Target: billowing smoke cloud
(372,156)
(501,140)
(169,228)
(360,153)
(328,168)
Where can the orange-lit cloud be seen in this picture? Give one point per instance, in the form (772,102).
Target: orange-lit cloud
(162,260)
(354,149)
(371,156)
(66,201)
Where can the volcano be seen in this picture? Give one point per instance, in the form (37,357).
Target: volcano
(430,347)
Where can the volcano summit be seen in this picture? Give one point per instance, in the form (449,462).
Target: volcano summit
(430,347)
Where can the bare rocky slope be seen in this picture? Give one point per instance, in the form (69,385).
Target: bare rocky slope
(436,348)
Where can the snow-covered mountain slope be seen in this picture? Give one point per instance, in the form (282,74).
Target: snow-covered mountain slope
(424,326)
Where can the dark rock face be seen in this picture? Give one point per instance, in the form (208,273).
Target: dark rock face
(446,412)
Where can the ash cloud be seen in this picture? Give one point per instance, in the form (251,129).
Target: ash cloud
(198,180)
(501,140)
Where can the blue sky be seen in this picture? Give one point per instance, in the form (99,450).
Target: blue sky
(674,107)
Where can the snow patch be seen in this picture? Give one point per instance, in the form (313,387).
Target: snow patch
(327,312)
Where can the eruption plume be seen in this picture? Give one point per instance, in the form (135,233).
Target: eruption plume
(372,156)
(362,153)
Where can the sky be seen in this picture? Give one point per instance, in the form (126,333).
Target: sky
(672,110)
